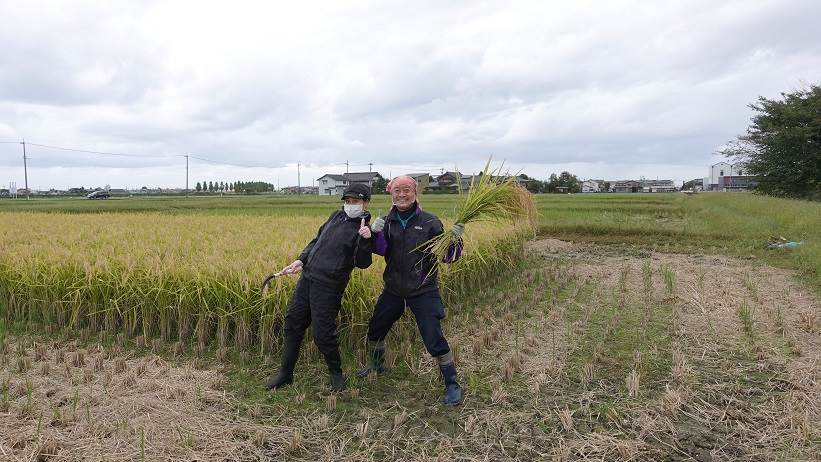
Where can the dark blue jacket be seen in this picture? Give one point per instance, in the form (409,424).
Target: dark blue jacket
(331,256)
(410,269)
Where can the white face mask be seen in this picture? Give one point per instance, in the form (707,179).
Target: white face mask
(353,210)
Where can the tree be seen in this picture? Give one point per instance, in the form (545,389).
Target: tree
(199,186)
(210,187)
(533,185)
(566,180)
(379,185)
(606,186)
(782,146)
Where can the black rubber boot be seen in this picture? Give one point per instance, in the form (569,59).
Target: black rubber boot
(376,360)
(453,392)
(290,354)
(334,362)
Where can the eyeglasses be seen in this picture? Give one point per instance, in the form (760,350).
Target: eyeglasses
(401,191)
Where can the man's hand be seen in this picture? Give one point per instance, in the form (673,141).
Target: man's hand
(458,229)
(378,225)
(364,231)
(293,268)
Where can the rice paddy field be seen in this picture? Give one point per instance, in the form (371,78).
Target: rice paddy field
(623,327)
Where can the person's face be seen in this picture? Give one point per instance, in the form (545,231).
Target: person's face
(355,201)
(403,197)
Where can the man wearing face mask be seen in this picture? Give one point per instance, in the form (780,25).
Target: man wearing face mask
(411,279)
(343,241)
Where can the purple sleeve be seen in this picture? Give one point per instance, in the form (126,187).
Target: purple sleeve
(380,246)
(454,251)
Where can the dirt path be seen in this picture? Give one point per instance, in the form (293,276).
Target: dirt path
(587,353)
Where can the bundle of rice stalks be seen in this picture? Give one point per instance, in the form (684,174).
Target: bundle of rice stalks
(493,197)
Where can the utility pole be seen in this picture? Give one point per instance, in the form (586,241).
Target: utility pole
(25,168)
(298,187)
(186,175)
(370,167)
(346,166)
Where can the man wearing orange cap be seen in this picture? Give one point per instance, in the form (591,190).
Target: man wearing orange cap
(411,279)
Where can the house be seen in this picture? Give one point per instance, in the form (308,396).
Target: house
(366,178)
(696,184)
(651,186)
(422,180)
(627,186)
(591,186)
(332,184)
(449,181)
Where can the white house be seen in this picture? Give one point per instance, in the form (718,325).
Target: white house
(590,186)
(330,184)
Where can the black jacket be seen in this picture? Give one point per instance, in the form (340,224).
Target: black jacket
(331,256)
(409,270)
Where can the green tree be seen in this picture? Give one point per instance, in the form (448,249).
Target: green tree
(782,146)
(566,180)
(210,187)
(379,185)
(199,186)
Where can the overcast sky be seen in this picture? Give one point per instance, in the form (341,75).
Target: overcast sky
(614,90)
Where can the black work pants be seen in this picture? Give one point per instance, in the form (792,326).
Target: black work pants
(317,305)
(428,310)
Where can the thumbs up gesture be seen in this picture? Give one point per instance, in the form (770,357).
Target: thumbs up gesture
(364,230)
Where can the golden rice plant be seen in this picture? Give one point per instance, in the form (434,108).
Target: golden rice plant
(496,198)
(186,279)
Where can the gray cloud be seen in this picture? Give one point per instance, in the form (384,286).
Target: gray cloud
(544,84)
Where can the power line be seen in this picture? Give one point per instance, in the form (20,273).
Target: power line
(102,153)
(234,164)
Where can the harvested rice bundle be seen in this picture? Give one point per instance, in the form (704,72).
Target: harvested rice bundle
(494,197)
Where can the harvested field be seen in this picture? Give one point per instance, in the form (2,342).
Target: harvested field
(620,334)
(585,353)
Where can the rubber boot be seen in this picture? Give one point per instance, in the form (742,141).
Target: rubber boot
(334,362)
(290,354)
(453,392)
(376,360)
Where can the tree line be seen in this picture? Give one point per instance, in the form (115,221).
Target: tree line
(239,187)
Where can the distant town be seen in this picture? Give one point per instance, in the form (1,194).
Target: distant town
(722,176)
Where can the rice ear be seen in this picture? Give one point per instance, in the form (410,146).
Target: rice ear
(494,197)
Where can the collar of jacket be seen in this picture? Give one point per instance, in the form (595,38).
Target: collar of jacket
(394,212)
(365,214)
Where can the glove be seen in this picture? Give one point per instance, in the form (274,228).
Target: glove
(293,268)
(378,225)
(458,229)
